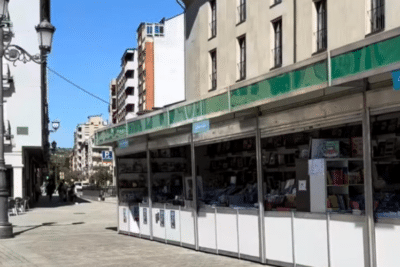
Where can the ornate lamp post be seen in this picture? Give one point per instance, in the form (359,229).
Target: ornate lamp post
(14,53)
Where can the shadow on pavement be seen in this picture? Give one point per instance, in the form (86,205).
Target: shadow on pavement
(112,228)
(52,224)
(55,202)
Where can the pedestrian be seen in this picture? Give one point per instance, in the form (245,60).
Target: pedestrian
(38,191)
(72,193)
(50,189)
(61,191)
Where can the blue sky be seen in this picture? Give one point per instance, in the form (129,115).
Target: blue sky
(90,39)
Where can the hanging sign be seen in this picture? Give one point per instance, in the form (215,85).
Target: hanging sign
(123,144)
(396,80)
(201,127)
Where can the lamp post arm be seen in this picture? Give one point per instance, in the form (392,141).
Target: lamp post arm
(14,53)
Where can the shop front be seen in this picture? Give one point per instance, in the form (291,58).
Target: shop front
(297,169)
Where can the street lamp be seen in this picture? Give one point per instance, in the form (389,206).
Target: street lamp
(55,124)
(14,53)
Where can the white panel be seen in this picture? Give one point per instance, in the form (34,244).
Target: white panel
(206,224)
(278,239)
(347,243)
(124,219)
(249,235)
(171,141)
(227,232)
(173,234)
(311,246)
(187,227)
(133,224)
(144,228)
(387,245)
(158,231)
(169,66)
(226,130)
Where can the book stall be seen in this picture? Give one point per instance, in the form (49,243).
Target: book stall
(275,185)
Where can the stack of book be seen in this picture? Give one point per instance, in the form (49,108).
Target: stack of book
(338,176)
(339,201)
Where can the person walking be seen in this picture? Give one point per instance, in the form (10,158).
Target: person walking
(72,193)
(61,191)
(50,189)
(38,192)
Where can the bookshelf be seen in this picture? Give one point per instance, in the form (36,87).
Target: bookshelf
(335,184)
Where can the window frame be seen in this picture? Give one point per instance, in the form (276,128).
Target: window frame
(322,26)
(242,11)
(213,68)
(277,42)
(242,57)
(377,16)
(213,21)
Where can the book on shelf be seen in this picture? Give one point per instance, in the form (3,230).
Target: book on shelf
(329,178)
(333,201)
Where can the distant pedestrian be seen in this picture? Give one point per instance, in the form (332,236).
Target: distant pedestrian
(61,191)
(38,192)
(50,189)
(72,194)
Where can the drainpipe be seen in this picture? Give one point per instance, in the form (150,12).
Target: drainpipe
(294,31)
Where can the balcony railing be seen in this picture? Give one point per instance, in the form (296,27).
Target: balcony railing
(242,11)
(213,78)
(213,26)
(277,52)
(242,70)
(321,39)
(377,18)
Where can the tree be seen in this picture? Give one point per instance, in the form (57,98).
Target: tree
(102,176)
(72,176)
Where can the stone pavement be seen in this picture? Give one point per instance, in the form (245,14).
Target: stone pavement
(84,234)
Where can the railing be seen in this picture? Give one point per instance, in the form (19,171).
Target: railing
(242,11)
(242,70)
(377,18)
(213,78)
(213,26)
(277,52)
(321,39)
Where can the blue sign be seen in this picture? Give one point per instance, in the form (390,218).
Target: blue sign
(107,155)
(396,80)
(201,127)
(123,144)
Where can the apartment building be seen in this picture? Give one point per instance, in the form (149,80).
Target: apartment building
(161,63)
(95,160)
(124,89)
(85,156)
(26,145)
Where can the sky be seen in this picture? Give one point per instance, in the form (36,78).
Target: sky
(90,39)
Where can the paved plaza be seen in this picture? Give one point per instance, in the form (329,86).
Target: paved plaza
(84,234)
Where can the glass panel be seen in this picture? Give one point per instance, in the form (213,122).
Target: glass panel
(132,179)
(336,157)
(227,173)
(171,170)
(386,165)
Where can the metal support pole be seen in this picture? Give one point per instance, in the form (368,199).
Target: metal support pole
(261,208)
(369,197)
(195,204)
(149,183)
(6,230)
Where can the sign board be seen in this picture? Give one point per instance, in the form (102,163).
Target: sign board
(201,127)
(107,155)
(396,80)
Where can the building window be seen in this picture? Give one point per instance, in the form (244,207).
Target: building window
(213,23)
(242,11)
(275,2)
(242,58)
(150,30)
(213,76)
(377,15)
(277,51)
(159,30)
(321,25)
